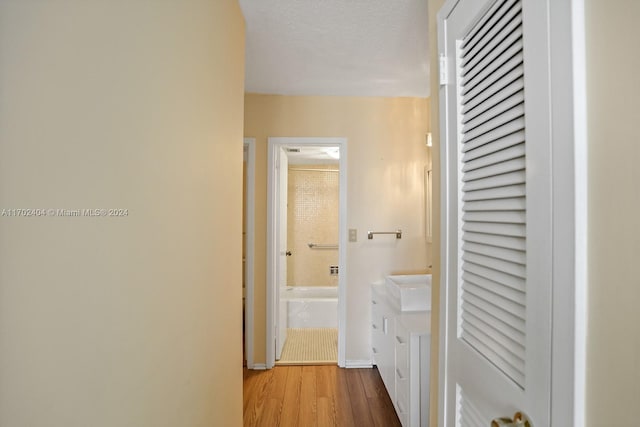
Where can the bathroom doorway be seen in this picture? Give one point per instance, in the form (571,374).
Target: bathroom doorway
(306,250)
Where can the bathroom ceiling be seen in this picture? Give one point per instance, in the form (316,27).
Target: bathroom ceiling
(337,47)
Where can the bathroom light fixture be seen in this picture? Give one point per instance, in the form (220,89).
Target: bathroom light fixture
(333,152)
(429,141)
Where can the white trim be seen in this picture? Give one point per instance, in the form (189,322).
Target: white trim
(271,257)
(358,364)
(273,145)
(581,209)
(445,190)
(569,124)
(259,367)
(250,146)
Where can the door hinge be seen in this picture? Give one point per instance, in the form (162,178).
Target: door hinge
(444,70)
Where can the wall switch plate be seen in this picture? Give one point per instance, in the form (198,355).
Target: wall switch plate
(353,235)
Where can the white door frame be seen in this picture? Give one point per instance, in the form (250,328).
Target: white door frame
(249,215)
(569,179)
(275,144)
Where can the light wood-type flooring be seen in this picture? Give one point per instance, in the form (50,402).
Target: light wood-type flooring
(322,396)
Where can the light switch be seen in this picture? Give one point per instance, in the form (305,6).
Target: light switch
(353,235)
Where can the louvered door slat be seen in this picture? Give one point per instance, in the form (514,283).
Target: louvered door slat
(511,255)
(501,180)
(496,299)
(488,311)
(507,292)
(494,111)
(479,33)
(486,104)
(511,268)
(500,359)
(492,85)
(493,183)
(499,144)
(468,414)
(500,134)
(515,203)
(514,282)
(517,110)
(514,230)
(511,217)
(495,60)
(514,243)
(508,349)
(492,60)
(496,157)
(473,314)
(495,193)
(496,168)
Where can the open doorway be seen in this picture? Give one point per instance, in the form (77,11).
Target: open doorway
(306,250)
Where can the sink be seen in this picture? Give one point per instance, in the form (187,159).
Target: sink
(410,292)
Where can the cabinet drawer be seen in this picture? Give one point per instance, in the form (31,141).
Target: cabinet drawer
(402,386)
(402,356)
(402,405)
(376,318)
(404,420)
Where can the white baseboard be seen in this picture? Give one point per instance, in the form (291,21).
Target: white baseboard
(364,363)
(258,367)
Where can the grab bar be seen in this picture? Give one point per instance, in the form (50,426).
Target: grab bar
(318,246)
(398,233)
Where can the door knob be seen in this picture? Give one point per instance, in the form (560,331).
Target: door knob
(288,253)
(518,420)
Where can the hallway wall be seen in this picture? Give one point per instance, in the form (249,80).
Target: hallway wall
(613,94)
(119,321)
(386,160)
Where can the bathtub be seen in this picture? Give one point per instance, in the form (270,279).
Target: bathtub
(310,307)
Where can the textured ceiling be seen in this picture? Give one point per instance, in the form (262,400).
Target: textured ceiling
(337,47)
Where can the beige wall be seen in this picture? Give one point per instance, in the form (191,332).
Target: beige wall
(312,217)
(121,321)
(386,160)
(613,352)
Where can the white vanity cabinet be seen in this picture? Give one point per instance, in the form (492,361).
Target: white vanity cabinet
(400,347)
(382,339)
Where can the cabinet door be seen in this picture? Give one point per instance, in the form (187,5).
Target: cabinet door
(376,329)
(382,327)
(386,368)
(403,375)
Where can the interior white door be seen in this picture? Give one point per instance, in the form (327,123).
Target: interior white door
(497,230)
(282,166)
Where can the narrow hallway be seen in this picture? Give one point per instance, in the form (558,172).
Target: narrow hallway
(316,396)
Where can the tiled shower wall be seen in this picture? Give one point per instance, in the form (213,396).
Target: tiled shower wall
(312,217)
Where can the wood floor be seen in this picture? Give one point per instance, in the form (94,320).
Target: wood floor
(319,396)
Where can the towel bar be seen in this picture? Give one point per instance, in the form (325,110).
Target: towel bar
(318,246)
(398,233)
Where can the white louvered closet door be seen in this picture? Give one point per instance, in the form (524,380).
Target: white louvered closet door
(497,238)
